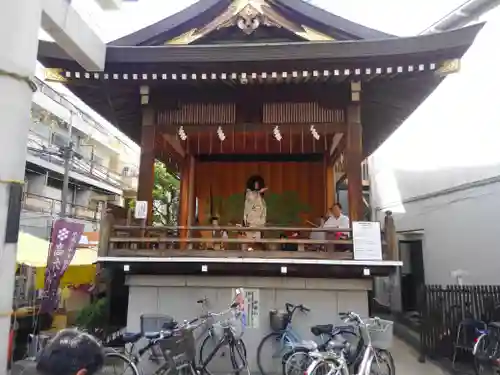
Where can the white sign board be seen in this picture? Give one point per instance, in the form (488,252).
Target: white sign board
(367,240)
(141,210)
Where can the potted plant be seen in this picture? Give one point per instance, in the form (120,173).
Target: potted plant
(93,318)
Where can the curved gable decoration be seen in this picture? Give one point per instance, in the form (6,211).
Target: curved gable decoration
(304,20)
(248,16)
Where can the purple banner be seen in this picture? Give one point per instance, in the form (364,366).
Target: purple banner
(65,238)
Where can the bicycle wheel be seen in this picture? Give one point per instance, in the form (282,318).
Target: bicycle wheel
(117,363)
(222,361)
(328,368)
(482,363)
(383,363)
(296,361)
(270,354)
(238,354)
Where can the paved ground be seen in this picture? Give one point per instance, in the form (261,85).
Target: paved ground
(407,361)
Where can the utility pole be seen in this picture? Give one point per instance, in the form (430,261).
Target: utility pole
(19,25)
(68,158)
(68,161)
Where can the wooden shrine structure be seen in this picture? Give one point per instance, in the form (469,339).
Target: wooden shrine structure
(227,89)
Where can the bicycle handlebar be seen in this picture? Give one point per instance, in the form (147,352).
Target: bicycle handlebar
(291,308)
(209,315)
(352,317)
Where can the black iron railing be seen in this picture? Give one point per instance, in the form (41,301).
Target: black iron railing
(449,315)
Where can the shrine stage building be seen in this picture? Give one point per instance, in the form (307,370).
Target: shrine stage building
(224,90)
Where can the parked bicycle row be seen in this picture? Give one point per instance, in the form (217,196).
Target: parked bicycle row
(212,343)
(358,347)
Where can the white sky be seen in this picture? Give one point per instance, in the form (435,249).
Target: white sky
(398,17)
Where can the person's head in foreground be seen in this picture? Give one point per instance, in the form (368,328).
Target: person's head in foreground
(71,352)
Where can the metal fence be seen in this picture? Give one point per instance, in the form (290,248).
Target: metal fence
(42,148)
(449,315)
(52,207)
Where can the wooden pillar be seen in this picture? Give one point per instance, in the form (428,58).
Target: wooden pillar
(329,185)
(147,162)
(184,215)
(391,237)
(191,195)
(353,159)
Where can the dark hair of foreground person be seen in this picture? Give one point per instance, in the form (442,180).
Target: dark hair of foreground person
(71,352)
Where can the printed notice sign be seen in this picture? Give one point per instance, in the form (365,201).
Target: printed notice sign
(141,210)
(366,240)
(249,305)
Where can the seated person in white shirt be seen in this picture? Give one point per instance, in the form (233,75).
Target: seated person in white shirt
(337,219)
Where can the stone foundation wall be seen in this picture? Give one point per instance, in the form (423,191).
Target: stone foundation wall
(177,296)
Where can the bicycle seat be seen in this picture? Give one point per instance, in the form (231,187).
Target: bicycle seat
(307,345)
(151,335)
(170,325)
(322,329)
(130,337)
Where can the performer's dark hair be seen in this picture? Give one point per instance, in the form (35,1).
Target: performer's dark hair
(253,179)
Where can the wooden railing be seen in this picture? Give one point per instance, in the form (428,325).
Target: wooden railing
(119,239)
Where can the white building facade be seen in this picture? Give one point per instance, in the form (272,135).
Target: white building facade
(439,174)
(103,166)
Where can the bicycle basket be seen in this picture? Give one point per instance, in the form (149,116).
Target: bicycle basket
(278,320)
(381,332)
(235,324)
(180,347)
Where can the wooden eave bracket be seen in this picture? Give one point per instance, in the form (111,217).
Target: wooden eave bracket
(175,145)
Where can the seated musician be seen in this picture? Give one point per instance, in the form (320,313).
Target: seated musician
(336,219)
(289,246)
(216,233)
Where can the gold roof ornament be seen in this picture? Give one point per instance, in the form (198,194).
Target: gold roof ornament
(54,75)
(449,67)
(248,16)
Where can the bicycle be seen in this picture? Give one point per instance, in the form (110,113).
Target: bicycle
(225,335)
(376,335)
(129,359)
(297,360)
(120,347)
(486,350)
(173,349)
(282,334)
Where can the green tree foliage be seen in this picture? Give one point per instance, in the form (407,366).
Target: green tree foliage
(93,318)
(165,196)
